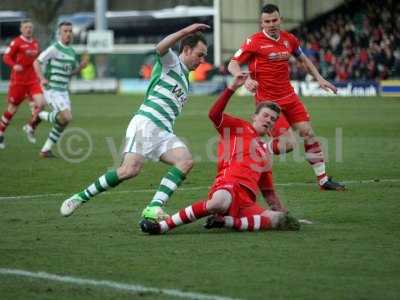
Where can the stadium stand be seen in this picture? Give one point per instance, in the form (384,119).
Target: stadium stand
(360,40)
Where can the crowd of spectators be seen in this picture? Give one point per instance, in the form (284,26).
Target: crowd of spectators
(360,41)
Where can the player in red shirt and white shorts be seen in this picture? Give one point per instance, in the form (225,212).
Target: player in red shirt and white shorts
(24,83)
(267,54)
(243,162)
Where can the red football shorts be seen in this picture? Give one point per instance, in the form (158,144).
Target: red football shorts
(243,200)
(18,92)
(293,111)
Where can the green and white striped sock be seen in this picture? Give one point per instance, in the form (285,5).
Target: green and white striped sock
(54,136)
(48,116)
(103,183)
(168,185)
(56,132)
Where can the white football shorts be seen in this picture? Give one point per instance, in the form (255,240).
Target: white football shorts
(57,100)
(146,138)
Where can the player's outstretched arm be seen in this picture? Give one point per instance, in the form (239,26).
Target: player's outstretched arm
(216,111)
(273,200)
(238,81)
(235,69)
(323,83)
(170,40)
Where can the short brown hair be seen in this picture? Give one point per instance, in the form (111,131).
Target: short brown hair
(268,104)
(24,21)
(191,40)
(269,8)
(64,23)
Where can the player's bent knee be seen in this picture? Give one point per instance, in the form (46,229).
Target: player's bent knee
(216,206)
(68,119)
(185,165)
(39,100)
(306,133)
(188,164)
(220,202)
(128,171)
(66,122)
(64,117)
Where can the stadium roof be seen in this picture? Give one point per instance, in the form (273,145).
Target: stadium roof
(12,16)
(139,20)
(87,18)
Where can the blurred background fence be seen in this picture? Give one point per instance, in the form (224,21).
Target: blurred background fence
(354,43)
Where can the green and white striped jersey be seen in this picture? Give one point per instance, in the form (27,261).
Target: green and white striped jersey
(167,91)
(59,61)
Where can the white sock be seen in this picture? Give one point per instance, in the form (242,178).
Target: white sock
(48,116)
(228,221)
(319,168)
(44,115)
(29,128)
(163,226)
(47,146)
(274,217)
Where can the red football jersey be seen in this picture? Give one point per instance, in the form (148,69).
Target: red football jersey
(242,157)
(22,52)
(267,60)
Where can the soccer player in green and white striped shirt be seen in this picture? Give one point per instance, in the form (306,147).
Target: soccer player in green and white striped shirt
(150,132)
(60,63)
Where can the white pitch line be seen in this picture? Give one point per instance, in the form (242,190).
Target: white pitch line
(114,192)
(135,288)
(195,188)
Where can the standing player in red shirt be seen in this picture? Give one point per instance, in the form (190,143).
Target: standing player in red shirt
(24,82)
(267,54)
(243,162)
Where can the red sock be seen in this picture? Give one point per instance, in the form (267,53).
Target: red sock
(5,121)
(314,153)
(251,223)
(186,215)
(315,157)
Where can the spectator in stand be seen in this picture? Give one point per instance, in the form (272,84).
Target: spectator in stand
(201,73)
(145,71)
(88,72)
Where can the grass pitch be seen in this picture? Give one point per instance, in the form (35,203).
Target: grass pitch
(350,252)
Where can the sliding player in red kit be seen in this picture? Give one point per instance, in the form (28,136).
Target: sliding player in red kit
(267,54)
(243,163)
(19,56)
